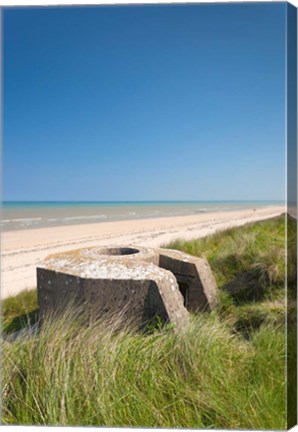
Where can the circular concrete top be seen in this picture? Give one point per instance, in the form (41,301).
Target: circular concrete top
(105,262)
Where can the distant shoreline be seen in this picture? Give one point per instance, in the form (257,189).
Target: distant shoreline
(23,250)
(32,215)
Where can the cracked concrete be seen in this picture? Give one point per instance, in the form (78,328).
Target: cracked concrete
(143,282)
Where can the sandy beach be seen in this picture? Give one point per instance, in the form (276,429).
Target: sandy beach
(23,250)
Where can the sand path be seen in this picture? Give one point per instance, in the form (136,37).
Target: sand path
(23,250)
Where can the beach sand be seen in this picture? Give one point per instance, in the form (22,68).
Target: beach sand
(22,251)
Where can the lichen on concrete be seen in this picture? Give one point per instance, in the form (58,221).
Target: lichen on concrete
(144,281)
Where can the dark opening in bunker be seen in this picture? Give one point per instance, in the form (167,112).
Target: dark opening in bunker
(184,289)
(119,251)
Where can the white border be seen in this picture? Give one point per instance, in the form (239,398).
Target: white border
(13,3)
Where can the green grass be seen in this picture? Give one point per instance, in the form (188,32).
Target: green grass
(257,249)
(19,311)
(226,370)
(203,377)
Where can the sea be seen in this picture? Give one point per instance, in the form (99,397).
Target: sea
(20,215)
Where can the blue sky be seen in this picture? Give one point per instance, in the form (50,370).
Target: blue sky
(144,102)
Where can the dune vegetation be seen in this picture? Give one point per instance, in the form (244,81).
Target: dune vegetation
(226,370)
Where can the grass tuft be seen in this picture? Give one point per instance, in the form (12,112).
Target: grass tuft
(70,374)
(19,311)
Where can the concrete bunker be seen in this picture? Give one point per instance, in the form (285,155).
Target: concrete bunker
(140,282)
(194,277)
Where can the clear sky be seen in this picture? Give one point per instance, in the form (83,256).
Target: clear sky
(144,102)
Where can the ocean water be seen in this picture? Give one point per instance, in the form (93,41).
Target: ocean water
(29,215)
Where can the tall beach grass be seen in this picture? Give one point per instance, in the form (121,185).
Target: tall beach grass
(225,370)
(70,374)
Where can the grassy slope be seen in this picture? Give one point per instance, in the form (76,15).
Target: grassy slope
(19,310)
(208,376)
(258,249)
(259,246)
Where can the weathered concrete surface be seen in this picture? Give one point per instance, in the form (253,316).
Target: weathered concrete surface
(194,277)
(139,282)
(108,283)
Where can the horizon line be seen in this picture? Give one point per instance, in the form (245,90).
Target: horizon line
(142,201)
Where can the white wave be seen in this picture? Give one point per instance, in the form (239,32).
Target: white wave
(154,213)
(26,220)
(85,217)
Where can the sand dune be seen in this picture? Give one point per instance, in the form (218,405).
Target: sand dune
(22,251)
